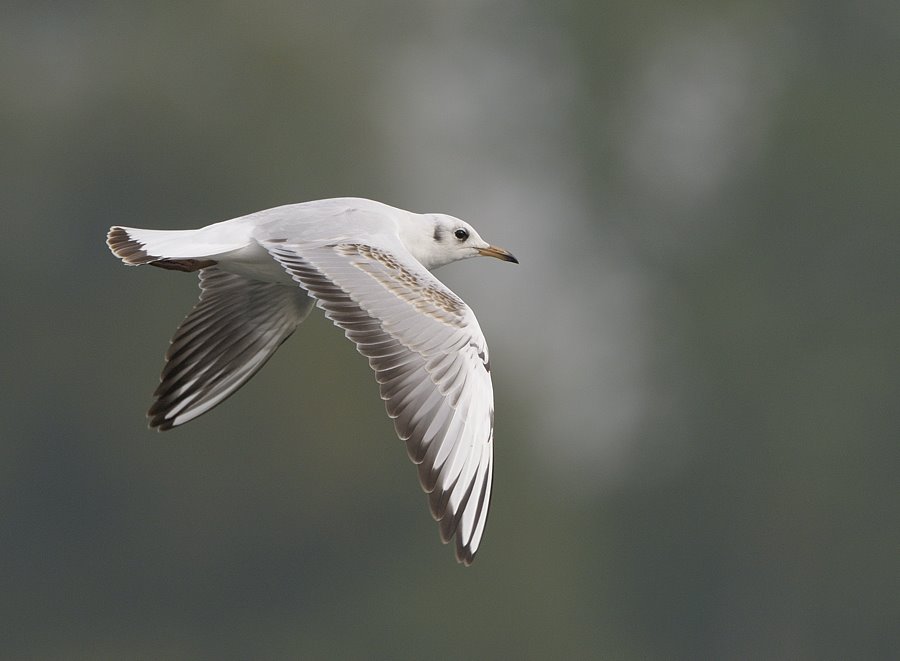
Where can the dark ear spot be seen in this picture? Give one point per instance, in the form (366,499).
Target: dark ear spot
(437,233)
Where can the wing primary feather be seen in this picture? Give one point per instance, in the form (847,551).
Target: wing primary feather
(424,346)
(236,326)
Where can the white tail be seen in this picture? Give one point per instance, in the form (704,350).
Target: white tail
(180,250)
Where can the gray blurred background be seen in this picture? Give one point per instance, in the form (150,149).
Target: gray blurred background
(695,364)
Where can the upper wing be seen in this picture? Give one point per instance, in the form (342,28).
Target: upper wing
(431,362)
(233,330)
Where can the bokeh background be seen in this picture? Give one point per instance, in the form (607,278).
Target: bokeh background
(695,364)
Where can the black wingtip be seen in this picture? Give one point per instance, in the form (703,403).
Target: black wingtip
(465,556)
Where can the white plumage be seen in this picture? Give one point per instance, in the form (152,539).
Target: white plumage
(367,266)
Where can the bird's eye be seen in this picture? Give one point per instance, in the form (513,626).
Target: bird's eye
(461,234)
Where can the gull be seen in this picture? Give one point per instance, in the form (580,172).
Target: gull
(368,266)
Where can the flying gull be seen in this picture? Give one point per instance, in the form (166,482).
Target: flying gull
(367,265)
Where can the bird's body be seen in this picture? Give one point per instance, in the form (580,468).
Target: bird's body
(367,265)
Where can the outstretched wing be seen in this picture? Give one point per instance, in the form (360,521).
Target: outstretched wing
(431,362)
(233,330)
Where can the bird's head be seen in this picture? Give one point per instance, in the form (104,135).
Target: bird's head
(450,239)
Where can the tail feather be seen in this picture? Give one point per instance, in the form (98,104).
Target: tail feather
(127,249)
(168,249)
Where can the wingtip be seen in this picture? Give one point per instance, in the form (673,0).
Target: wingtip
(158,422)
(465,556)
